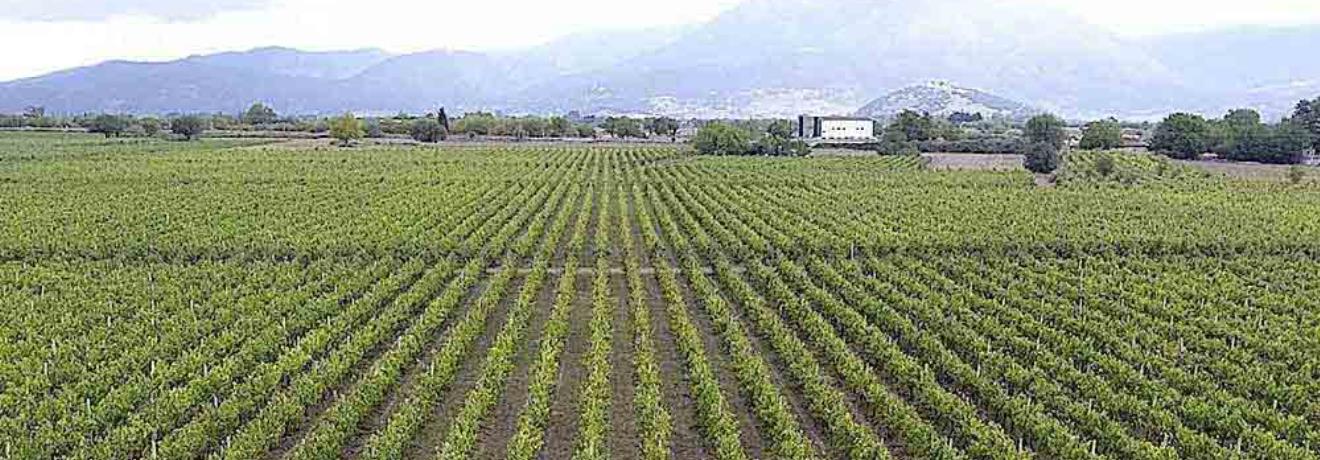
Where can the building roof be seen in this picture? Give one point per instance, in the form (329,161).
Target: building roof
(838,118)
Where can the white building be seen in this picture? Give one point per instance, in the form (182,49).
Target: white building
(835,128)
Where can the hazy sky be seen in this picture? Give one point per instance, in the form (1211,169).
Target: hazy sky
(45,35)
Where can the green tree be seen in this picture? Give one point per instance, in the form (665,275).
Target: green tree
(896,142)
(586,131)
(913,125)
(561,127)
(189,126)
(427,130)
(1041,157)
(1285,143)
(1046,129)
(1235,127)
(150,126)
(664,126)
(108,125)
(534,126)
(1307,117)
(1182,135)
(259,114)
(777,139)
(443,119)
(1102,135)
(720,138)
(623,127)
(797,148)
(476,124)
(781,129)
(346,129)
(1242,118)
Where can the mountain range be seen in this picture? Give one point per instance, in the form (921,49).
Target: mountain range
(760,58)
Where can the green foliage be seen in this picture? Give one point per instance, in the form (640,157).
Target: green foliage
(442,118)
(1104,165)
(896,142)
(586,131)
(1182,136)
(1091,169)
(1041,157)
(373,128)
(1307,116)
(108,125)
(984,144)
(189,126)
(780,129)
(719,138)
(663,126)
(427,130)
(476,124)
(1240,136)
(623,127)
(1242,118)
(561,127)
(1285,143)
(259,114)
(919,127)
(150,126)
(346,129)
(778,141)
(1102,135)
(1045,129)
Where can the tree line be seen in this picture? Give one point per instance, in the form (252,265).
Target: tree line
(1240,135)
(431,127)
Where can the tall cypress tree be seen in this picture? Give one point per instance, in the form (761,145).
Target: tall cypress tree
(443,119)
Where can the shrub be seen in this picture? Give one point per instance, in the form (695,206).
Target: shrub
(1040,158)
(427,130)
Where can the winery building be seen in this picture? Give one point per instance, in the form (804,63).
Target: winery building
(835,128)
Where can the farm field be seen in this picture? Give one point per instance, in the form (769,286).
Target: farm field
(234,300)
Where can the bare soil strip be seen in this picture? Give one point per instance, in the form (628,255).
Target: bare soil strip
(752,440)
(562,431)
(624,443)
(686,438)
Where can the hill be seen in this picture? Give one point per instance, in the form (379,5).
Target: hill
(944,99)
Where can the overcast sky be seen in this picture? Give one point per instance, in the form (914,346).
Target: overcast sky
(46,35)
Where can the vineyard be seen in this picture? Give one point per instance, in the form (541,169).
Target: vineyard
(235,300)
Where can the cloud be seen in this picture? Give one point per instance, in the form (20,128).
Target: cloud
(98,10)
